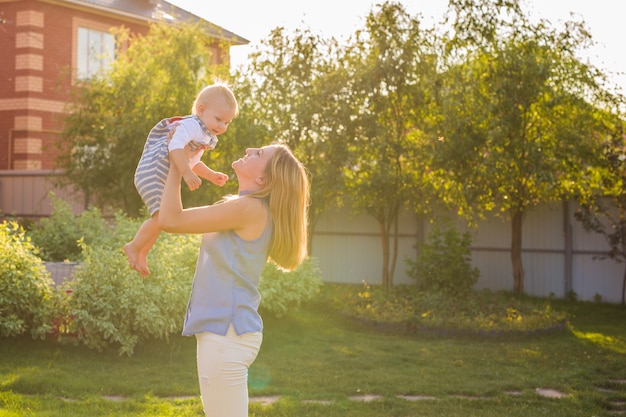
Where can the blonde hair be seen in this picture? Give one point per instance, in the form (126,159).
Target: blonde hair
(212,92)
(287,192)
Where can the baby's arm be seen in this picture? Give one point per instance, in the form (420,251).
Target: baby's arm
(181,133)
(179,158)
(217,178)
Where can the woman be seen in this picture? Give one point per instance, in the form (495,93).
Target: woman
(267,219)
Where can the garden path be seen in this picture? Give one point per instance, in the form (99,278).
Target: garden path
(614,392)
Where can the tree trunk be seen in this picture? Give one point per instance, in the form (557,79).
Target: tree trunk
(312,223)
(394,258)
(385,244)
(516,252)
(624,288)
(623,255)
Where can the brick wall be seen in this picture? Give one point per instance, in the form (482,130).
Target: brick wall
(26,193)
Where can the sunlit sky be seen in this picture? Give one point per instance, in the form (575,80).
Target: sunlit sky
(254,19)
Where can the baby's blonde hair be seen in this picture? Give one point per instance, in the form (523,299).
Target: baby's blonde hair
(211,92)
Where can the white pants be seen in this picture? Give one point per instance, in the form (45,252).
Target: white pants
(223,363)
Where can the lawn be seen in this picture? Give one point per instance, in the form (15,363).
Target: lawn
(320,363)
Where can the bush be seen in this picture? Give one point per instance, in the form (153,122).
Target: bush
(444,263)
(110,304)
(58,236)
(26,292)
(282,292)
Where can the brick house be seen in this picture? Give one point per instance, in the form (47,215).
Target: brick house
(47,44)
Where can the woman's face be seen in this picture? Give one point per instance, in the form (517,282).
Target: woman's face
(252,165)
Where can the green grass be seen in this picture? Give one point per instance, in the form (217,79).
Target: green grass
(318,354)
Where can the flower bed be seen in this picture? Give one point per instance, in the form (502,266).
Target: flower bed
(482,314)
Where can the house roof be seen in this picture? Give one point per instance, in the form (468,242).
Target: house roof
(159,10)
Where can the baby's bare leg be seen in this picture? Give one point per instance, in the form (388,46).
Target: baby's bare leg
(137,249)
(142,259)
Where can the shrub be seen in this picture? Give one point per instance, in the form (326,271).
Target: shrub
(443,264)
(57,237)
(282,292)
(26,293)
(110,304)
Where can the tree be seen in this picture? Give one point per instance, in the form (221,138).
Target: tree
(519,113)
(153,77)
(603,209)
(392,75)
(295,94)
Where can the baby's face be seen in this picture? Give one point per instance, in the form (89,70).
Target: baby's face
(216,115)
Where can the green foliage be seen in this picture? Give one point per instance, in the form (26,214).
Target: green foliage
(26,293)
(444,263)
(483,313)
(110,304)
(58,236)
(602,209)
(283,292)
(520,117)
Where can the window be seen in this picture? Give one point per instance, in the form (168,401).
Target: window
(95,52)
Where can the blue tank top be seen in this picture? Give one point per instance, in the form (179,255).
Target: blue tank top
(226,282)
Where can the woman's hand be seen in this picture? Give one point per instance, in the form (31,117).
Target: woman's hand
(192,180)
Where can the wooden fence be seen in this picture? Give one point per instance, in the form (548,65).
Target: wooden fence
(558,255)
(26,193)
